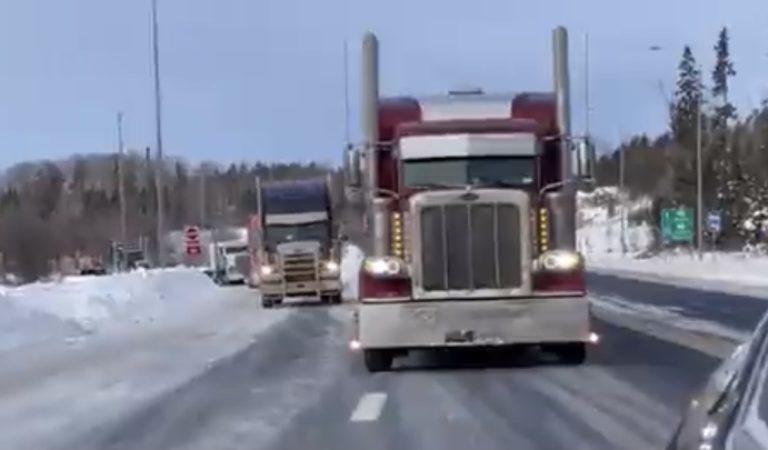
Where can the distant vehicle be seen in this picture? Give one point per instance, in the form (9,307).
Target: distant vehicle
(731,411)
(297,254)
(472,221)
(229,261)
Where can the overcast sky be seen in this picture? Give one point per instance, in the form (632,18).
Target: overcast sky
(263,79)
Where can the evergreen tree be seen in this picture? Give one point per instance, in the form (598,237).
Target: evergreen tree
(725,161)
(685,108)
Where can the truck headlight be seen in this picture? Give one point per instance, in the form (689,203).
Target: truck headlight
(332,266)
(560,261)
(384,266)
(267,270)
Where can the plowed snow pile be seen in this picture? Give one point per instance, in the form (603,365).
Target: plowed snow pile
(79,306)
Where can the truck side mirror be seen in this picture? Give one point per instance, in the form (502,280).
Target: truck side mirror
(352,167)
(584,160)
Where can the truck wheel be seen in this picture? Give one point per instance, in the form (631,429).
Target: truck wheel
(336,299)
(266,302)
(572,354)
(378,360)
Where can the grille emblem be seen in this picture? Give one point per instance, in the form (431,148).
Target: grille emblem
(469,196)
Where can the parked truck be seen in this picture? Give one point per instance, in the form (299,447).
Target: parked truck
(298,254)
(229,261)
(470,207)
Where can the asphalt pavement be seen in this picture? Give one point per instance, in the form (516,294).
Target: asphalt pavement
(739,312)
(301,387)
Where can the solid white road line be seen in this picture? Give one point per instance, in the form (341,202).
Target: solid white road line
(369,407)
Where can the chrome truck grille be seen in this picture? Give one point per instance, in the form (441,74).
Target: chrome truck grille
(471,246)
(299,267)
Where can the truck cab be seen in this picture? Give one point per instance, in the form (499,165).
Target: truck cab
(471,205)
(298,255)
(231,261)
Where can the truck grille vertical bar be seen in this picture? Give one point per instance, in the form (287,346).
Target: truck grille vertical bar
(445,246)
(469,247)
(496,243)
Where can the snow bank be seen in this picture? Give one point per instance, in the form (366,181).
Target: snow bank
(603,214)
(351,259)
(730,268)
(85,304)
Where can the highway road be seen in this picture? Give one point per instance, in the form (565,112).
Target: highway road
(300,387)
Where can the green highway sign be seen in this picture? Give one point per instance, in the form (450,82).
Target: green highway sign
(677,224)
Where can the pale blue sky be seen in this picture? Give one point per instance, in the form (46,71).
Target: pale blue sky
(262,79)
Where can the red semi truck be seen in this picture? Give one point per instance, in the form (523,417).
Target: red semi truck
(471,211)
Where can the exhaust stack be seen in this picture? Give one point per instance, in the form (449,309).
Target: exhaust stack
(370,106)
(563,202)
(563,96)
(370,109)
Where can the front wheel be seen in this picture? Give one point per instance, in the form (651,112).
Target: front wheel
(572,354)
(378,360)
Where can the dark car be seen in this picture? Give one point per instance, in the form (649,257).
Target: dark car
(731,411)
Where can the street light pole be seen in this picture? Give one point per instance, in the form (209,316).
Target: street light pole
(699,174)
(121,179)
(158,137)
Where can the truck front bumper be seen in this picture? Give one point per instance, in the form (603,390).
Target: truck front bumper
(276,288)
(461,323)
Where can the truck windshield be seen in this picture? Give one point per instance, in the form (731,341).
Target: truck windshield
(478,171)
(278,234)
(235,250)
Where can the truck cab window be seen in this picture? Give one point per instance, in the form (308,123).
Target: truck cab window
(478,171)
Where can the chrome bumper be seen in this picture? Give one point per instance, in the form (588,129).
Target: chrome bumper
(272,287)
(473,322)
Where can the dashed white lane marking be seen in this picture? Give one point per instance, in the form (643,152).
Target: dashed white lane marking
(369,407)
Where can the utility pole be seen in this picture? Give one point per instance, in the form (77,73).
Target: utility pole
(587,107)
(346,94)
(699,174)
(121,179)
(622,203)
(202,196)
(158,137)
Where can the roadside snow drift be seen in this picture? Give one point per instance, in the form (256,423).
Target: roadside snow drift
(84,305)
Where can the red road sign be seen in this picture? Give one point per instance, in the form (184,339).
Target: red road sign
(192,240)
(194,250)
(192,234)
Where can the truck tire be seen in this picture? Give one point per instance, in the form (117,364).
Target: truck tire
(572,354)
(266,302)
(336,299)
(378,360)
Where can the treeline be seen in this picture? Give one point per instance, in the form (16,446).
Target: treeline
(53,209)
(734,154)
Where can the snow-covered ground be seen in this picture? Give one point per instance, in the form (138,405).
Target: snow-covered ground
(601,214)
(86,350)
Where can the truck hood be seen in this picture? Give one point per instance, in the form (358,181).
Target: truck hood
(288,248)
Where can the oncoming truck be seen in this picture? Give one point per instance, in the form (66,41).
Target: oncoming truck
(471,210)
(298,254)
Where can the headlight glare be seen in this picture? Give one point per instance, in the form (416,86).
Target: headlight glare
(560,260)
(385,266)
(332,266)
